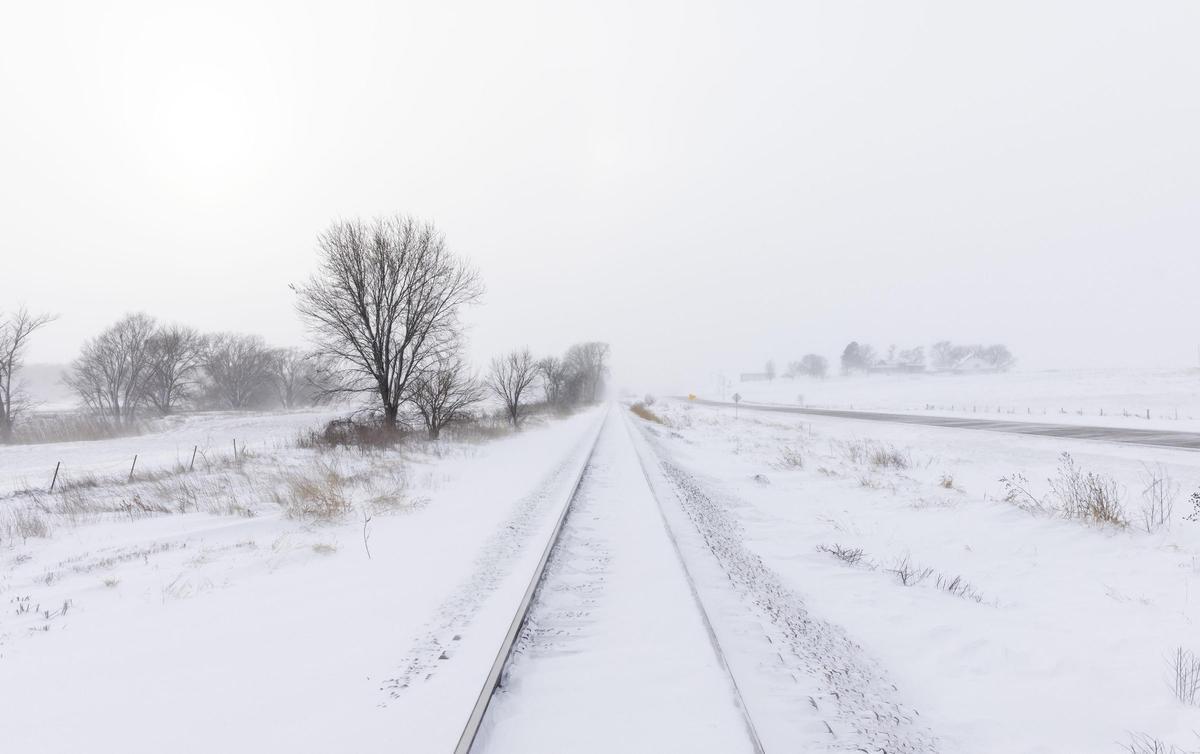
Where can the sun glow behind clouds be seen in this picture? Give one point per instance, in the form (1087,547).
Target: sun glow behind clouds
(202,106)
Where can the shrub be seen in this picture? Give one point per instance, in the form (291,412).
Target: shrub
(356,433)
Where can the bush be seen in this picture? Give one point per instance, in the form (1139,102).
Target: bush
(355,433)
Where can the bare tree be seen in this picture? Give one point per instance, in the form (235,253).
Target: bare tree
(589,361)
(15,331)
(290,372)
(554,373)
(445,391)
(509,379)
(238,367)
(175,355)
(111,371)
(383,305)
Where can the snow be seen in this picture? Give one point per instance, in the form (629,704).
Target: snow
(213,433)
(200,633)
(226,625)
(1066,648)
(1096,397)
(615,656)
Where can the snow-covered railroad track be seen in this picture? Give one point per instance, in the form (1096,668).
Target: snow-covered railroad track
(610,649)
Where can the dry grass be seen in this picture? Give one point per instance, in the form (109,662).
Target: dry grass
(790,458)
(1075,494)
(1185,676)
(73,426)
(1087,496)
(641,410)
(875,455)
(848,555)
(316,495)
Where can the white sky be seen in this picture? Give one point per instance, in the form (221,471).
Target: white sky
(705,185)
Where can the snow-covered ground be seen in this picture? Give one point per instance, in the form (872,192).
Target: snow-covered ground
(313,600)
(232,626)
(1104,397)
(1057,634)
(212,434)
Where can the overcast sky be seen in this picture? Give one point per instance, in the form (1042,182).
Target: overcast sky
(705,185)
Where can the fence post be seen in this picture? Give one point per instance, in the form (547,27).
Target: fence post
(192,464)
(132,467)
(55,479)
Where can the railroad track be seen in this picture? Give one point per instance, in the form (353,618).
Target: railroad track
(610,601)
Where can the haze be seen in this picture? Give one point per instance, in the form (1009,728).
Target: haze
(702,185)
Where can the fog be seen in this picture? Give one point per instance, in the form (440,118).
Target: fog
(705,186)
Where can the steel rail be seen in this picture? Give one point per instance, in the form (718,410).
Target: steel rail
(495,674)
(751,729)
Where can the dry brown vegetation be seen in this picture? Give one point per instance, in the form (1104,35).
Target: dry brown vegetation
(641,410)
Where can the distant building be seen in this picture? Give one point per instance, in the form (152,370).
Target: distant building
(883,366)
(973,362)
(754,377)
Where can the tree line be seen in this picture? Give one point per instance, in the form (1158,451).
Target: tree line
(383,311)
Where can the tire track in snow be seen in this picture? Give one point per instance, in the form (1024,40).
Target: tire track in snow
(860,709)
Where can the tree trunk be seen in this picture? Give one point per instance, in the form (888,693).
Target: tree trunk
(390,413)
(434,431)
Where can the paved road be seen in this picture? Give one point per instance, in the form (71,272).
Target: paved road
(1157,437)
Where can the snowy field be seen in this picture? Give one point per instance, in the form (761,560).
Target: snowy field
(1105,397)
(212,434)
(293,600)
(1019,630)
(849,585)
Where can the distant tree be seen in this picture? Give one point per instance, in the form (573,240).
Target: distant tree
(445,392)
(384,303)
(555,374)
(770,370)
(912,356)
(509,380)
(946,355)
(858,357)
(290,373)
(174,355)
(238,368)
(15,331)
(998,357)
(814,366)
(111,373)
(589,363)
